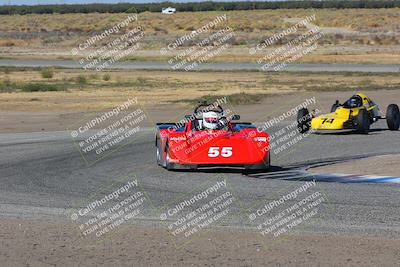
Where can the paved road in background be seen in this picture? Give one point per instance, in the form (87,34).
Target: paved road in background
(375,68)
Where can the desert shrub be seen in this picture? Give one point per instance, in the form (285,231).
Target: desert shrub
(81,79)
(241,98)
(47,73)
(93,76)
(6,85)
(39,87)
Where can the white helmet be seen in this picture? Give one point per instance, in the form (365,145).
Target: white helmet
(211,120)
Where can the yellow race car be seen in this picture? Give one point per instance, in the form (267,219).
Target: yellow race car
(357,113)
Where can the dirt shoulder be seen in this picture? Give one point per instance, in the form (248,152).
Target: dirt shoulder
(76,91)
(380,165)
(22,116)
(35,243)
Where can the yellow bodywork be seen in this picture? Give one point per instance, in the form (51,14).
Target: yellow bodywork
(336,120)
(332,121)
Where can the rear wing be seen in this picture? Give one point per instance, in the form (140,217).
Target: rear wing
(244,123)
(170,125)
(237,126)
(166,125)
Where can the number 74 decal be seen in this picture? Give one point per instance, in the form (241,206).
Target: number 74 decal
(225,152)
(327,121)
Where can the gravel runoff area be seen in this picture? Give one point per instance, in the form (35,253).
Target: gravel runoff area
(38,243)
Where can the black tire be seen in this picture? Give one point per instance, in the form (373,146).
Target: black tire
(259,169)
(176,166)
(249,169)
(247,172)
(363,121)
(168,165)
(334,107)
(158,154)
(303,120)
(393,117)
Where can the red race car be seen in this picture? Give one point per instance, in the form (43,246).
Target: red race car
(210,138)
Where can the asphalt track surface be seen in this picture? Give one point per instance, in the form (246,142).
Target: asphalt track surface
(373,68)
(42,175)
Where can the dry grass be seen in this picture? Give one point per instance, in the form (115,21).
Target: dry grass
(164,87)
(365,20)
(54,35)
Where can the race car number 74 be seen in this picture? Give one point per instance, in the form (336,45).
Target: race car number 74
(225,152)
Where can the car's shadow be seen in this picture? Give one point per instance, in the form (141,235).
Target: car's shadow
(279,172)
(271,169)
(352,132)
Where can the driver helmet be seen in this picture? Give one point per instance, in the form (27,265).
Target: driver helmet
(211,120)
(354,102)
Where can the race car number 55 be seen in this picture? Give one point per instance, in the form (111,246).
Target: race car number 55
(214,152)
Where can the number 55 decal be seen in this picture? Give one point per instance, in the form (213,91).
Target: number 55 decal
(214,152)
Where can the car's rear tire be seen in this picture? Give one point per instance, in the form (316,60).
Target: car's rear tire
(248,169)
(393,117)
(255,169)
(303,120)
(363,121)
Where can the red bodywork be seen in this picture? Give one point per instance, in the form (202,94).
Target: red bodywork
(241,145)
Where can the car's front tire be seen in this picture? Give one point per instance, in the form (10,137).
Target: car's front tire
(363,121)
(393,117)
(158,154)
(303,120)
(168,165)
